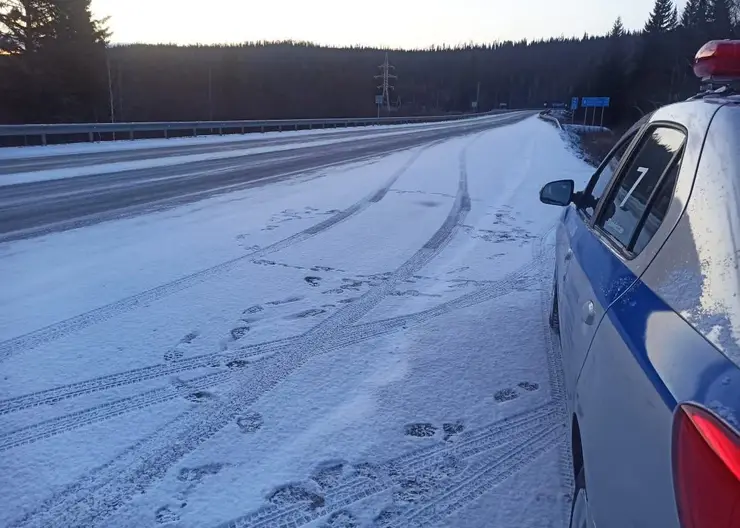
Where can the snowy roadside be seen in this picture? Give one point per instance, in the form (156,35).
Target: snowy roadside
(363,347)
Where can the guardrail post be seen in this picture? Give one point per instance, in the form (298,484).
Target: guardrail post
(242,130)
(43,139)
(90,136)
(296,126)
(131,134)
(280,128)
(166,135)
(220,131)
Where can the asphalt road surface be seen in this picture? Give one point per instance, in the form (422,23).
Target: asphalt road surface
(35,208)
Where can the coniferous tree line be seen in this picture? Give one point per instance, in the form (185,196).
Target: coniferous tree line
(56,66)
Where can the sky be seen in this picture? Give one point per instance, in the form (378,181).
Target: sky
(402,24)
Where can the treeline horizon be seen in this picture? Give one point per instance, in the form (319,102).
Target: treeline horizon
(639,70)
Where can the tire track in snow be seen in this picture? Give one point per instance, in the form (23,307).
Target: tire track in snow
(75,324)
(346,337)
(557,392)
(515,281)
(100,495)
(510,430)
(100,383)
(479,478)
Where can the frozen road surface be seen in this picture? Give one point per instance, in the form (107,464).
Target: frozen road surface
(359,340)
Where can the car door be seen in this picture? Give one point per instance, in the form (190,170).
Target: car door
(628,479)
(578,305)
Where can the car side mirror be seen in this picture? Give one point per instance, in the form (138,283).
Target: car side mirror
(558,192)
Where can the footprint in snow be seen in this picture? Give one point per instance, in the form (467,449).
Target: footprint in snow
(289,300)
(420,430)
(452,429)
(167,514)
(197,473)
(505,395)
(237,363)
(328,474)
(313,281)
(306,313)
(528,386)
(296,493)
(199,396)
(250,422)
(177,351)
(239,332)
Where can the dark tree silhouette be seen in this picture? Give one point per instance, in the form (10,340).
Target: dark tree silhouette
(54,67)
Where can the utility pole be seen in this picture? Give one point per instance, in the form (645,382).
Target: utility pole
(477,99)
(110,88)
(210,93)
(119,76)
(386,76)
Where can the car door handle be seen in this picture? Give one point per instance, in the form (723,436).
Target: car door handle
(589,312)
(568,254)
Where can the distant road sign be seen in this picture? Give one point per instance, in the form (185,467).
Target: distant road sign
(574,103)
(474,105)
(378,99)
(597,102)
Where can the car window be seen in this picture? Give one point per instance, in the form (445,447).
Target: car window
(600,181)
(622,214)
(657,210)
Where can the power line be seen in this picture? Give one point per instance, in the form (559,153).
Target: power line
(386,75)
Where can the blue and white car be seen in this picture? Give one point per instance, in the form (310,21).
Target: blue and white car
(647,306)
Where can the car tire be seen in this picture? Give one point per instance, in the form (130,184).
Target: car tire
(554,319)
(579,510)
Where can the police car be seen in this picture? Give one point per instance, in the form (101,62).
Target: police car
(647,306)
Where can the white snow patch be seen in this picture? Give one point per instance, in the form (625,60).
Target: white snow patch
(339,426)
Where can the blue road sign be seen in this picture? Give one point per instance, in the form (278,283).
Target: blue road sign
(574,103)
(590,102)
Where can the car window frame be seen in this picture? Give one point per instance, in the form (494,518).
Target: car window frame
(623,251)
(630,138)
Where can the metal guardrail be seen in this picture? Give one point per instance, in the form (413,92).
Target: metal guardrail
(130,130)
(547,117)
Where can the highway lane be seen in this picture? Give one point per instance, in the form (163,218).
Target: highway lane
(35,208)
(224,144)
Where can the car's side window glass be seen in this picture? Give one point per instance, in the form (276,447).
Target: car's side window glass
(623,210)
(657,210)
(600,181)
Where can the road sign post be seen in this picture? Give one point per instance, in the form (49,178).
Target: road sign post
(595,102)
(573,108)
(379,103)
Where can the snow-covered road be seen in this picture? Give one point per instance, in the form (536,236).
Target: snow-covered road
(362,345)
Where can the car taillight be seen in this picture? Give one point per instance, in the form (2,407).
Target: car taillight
(706,470)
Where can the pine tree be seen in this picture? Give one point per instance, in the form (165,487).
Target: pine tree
(617,29)
(673,20)
(78,55)
(688,15)
(660,18)
(24,24)
(720,18)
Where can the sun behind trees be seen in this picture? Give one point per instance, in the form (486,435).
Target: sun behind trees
(53,69)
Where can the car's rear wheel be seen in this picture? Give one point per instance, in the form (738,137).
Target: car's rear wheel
(580,515)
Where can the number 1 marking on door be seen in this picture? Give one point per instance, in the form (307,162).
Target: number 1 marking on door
(643,171)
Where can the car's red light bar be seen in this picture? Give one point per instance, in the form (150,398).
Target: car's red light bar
(718,59)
